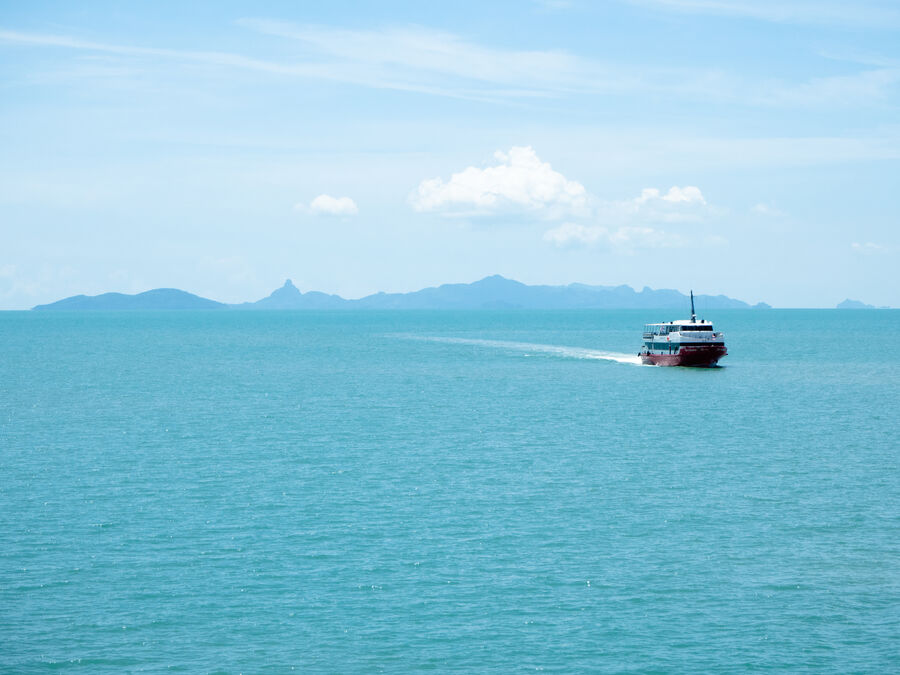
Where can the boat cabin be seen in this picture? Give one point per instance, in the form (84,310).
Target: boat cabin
(670,337)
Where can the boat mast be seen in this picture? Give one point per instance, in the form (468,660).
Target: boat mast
(693,314)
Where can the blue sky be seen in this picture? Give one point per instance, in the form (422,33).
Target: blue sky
(729,146)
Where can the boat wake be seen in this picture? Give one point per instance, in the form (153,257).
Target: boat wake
(531,348)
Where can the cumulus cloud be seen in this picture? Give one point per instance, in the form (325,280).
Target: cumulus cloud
(632,223)
(519,183)
(679,204)
(688,194)
(522,184)
(627,237)
(326,205)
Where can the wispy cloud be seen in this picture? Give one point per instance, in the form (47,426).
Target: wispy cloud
(868,247)
(216,58)
(414,59)
(427,61)
(553,5)
(406,59)
(816,12)
(346,73)
(417,57)
(839,90)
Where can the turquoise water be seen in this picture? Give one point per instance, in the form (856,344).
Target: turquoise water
(481,491)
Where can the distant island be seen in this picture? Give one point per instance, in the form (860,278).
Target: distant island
(158,298)
(494,292)
(856,304)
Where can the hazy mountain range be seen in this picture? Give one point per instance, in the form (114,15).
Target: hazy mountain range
(494,292)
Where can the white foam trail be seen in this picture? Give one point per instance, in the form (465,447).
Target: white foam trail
(556,350)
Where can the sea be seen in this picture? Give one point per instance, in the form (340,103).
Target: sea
(479,492)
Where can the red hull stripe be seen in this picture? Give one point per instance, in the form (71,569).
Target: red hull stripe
(697,357)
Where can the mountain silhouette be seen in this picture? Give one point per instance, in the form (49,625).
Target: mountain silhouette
(854,304)
(158,298)
(290,297)
(493,292)
(497,292)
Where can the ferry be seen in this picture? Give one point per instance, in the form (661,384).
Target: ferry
(683,343)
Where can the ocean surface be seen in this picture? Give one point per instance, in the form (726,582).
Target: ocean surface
(477,491)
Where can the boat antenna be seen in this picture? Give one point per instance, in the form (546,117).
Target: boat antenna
(693,313)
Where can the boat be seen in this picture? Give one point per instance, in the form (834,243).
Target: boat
(683,343)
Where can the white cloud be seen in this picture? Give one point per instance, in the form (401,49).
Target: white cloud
(868,247)
(676,195)
(326,205)
(624,238)
(520,183)
(678,205)
(523,184)
(631,224)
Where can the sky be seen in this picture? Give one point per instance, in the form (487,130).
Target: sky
(750,148)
